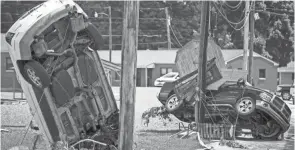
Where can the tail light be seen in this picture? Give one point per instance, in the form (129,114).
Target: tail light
(9,37)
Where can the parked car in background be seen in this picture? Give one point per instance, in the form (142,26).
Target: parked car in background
(286,91)
(169,77)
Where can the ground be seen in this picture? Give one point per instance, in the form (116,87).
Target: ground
(156,136)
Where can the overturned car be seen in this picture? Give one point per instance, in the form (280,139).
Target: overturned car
(53,50)
(232,102)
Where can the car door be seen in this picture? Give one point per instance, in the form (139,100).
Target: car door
(227,94)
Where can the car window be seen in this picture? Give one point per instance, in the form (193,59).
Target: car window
(169,75)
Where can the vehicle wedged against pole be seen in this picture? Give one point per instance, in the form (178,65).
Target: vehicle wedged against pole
(53,49)
(265,114)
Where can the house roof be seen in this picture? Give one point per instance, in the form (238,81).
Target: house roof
(288,68)
(150,57)
(236,53)
(146,58)
(4,46)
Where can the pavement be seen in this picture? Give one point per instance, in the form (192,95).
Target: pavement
(15,118)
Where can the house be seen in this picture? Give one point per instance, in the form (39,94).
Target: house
(286,74)
(160,62)
(264,70)
(8,77)
(151,64)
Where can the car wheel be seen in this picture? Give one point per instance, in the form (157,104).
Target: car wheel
(173,103)
(286,95)
(245,106)
(36,75)
(270,131)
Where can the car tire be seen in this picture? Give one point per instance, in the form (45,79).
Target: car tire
(36,75)
(95,35)
(245,106)
(286,95)
(173,103)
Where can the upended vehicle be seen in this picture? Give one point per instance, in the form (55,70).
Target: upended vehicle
(53,48)
(265,114)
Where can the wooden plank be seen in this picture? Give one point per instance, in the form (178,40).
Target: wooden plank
(128,74)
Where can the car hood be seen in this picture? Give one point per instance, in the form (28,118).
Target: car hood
(259,89)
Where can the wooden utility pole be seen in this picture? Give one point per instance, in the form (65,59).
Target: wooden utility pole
(246,36)
(110,33)
(128,74)
(199,107)
(252,30)
(168,27)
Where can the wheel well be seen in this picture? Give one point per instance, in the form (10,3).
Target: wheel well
(249,95)
(21,64)
(171,93)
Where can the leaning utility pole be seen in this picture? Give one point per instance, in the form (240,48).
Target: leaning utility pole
(252,30)
(128,74)
(246,35)
(168,27)
(199,107)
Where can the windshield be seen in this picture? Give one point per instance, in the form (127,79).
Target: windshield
(170,75)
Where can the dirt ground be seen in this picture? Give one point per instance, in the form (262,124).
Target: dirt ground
(154,137)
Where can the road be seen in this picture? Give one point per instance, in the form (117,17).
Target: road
(155,136)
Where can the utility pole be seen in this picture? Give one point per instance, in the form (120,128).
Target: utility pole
(128,74)
(168,28)
(252,30)
(110,33)
(199,107)
(246,36)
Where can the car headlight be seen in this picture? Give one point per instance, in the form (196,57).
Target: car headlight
(265,96)
(279,88)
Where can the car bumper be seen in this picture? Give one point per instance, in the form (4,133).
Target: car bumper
(265,107)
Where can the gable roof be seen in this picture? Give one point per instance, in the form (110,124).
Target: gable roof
(288,68)
(236,53)
(145,58)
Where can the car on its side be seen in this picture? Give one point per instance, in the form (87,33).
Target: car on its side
(53,50)
(265,114)
(169,77)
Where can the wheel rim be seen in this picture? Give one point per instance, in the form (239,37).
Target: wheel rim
(245,106)
(173,102)
(286,95)
(35,79)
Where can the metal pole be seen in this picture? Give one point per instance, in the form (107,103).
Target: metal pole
(199,108)
(252,30)
(110,33)
(168,27)
(128,74)
(246,36)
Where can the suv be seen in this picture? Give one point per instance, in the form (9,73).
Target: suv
(265,114)
(53,50)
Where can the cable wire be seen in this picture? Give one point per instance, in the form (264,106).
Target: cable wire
(175,36)
(233,8)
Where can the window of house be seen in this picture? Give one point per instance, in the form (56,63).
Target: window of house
(292,76)
(9,65)
(240,68)
(262,74)
(165,71)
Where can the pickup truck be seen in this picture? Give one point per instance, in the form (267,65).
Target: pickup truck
(53,48)
(228,98)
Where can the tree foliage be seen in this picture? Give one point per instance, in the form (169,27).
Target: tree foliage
(273,31)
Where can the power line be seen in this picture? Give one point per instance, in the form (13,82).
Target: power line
(233,8)
(175,36)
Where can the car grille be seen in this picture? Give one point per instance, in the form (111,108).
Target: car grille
(281,108)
